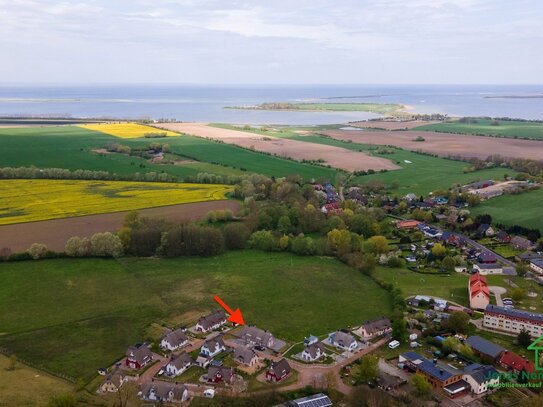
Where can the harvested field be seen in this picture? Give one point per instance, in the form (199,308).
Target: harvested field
(54,233)
(444,144)
(297,150)
(391,124)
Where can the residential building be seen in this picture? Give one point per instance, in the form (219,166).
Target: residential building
(484,348)
(278,371)
(252,335)
(138,356)
(481,377)
(164,392)
(314,352)
(213,347)
(343,340)
(479,294)
(487,257)
(310,340)
(536,265)
(407,224)
(519,242)
(212,321)
(174,340)
(377,327)
(486,230)
(220,374)
(528,256)
(439,376)
(113,383)
(503,237)
(513,320)
(178,364)
(316,400)
(488,268)
(245,356)
(515,363)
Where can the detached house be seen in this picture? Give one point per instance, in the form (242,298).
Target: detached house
(164,392)
(213,347)
(220,374)
(486,230)
(343,340)
(174,340)
(113,383)
(245,356)
(376,327)
(252,335)
(210,322)
(278,371)
(314,352)
(479,294)
(519,242)
(178,364)
(138,356)
(481,377)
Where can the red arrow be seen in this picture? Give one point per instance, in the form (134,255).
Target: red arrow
(235,316)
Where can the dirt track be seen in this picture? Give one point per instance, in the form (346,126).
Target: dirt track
(445,144)
(54,233)
(297,150)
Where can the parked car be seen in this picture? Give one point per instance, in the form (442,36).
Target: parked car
(393,344)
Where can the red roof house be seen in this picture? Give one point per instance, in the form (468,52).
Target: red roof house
(407,224)
(513,362)
(479,294)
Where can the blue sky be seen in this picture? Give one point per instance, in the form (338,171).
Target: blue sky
(273,41)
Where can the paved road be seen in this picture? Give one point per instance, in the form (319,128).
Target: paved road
(498,292)
(482,247)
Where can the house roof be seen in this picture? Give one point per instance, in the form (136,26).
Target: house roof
(139,353)
(488,266)
(484,227)
(346,338)
(162,389)
(280,368)
(521,242)
(314,348)
(175,338)
(316,400)
(529,256)
(244,355)
(537,262)
(502,234)
(484,346)
(437,372)
(215,318)
(480,373)
(180,361)
(225,372)
(377,325)
(487,257)
(256,335)
(515,362)
(115,378)
(515,313)
(214,343)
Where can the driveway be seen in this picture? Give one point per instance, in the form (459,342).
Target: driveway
(498,292)
(392,370)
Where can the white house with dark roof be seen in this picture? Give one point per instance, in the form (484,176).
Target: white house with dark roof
(164,392)
(376,327)
(178,364)
(245,356)
(212,321)
(488,268)
(213,347)
(343,340)
(536,265)
(174,340)
(481,378)
(252,335)
(314,352)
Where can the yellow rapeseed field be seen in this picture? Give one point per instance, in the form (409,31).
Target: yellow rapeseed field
(126,130)
(34,200)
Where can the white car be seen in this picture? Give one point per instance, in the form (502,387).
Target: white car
(393,344)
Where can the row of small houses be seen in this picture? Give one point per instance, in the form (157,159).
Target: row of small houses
(475,378)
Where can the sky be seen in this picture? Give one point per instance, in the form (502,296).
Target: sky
(271,42)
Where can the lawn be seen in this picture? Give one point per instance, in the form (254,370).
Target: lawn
(25,386)
(523,209)
(420,173)
(511,129)
(76,315)
(128,130)
(37,199)
(71,147)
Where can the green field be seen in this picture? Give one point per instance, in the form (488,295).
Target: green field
(512,129)
(423,174)
(76,315)
(70,147)
(524,209)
